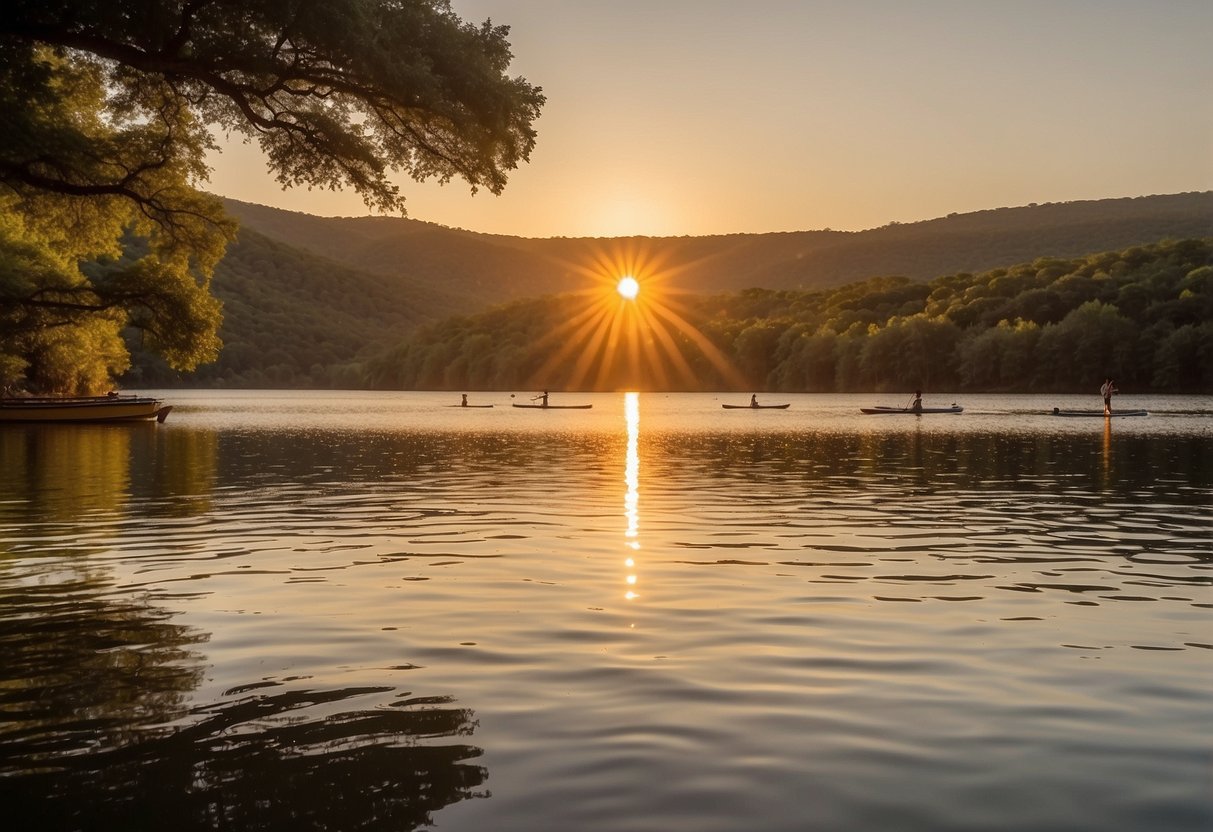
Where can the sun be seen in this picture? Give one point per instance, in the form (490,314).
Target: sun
(614,339)
(628,287)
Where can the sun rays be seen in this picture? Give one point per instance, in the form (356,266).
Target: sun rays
(629,331)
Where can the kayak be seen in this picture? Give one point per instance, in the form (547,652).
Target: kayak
(1100,413)
(756,406)
(555,406)
(882,410)
(467,405)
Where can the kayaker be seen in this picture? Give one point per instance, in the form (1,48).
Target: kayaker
(917,406)
(464,403)
(542,398)
(753,400)
(1108,388)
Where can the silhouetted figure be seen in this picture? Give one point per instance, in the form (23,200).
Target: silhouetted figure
(753,400)
(464,403)
(1108,388)
(542,398)
(917,406)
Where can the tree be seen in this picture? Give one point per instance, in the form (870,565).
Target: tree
(106,112)
(1092,341)
(913,352)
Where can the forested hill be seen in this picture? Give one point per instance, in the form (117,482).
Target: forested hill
(487,269)
(1143,315)
(295,319)
(308,299)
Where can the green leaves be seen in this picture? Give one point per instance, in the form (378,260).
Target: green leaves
(104,114)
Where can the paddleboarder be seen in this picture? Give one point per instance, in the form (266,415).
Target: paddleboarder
(917,405)
(542,398)
(753,400)
(1108,388)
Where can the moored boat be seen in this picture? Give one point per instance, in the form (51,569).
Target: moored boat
(112,408)
(889,410)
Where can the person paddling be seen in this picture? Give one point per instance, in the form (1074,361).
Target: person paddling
(753,400)
(1108,388)
(542,398)
(917,405)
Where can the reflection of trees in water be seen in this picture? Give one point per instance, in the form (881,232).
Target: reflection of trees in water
(61,472)
(1121,463)
(177,470)
(96,731)
(263,763)
(65,486)
(83,671)
(97,728)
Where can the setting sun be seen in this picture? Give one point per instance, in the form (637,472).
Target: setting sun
(628,287)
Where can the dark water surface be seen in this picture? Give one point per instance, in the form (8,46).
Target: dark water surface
(372,611)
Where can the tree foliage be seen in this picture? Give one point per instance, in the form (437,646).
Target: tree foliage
(295,320)
(1143,315)
(105,118)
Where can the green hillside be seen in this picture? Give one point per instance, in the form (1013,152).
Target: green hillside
(1143,315)
(294,319)
(307,299)
(488,269)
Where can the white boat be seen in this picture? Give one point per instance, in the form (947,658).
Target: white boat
(111,408)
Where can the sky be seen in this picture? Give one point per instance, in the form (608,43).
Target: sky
(697,117)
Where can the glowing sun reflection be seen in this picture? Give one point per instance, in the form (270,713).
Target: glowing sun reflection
(631,498)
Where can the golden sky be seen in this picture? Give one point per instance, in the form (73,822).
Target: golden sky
(673,117)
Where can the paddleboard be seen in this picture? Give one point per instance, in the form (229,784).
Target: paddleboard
(889,410)
(1099,413)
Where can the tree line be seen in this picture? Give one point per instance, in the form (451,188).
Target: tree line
(1143,315)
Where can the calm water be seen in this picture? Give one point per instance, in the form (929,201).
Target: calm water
(372,611)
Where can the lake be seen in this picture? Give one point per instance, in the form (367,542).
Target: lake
(327,610)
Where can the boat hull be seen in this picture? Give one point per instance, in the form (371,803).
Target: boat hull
(555,406)
(1100,414)
(83,409)
(877,411)
(756,406)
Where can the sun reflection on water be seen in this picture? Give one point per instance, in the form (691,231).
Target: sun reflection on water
(631,499)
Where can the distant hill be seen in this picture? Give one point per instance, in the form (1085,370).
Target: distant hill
(487,269)
(307,299)
(294,319)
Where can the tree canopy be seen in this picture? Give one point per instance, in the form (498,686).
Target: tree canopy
(107,111)
(1143,315)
